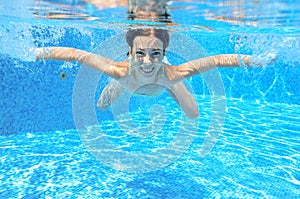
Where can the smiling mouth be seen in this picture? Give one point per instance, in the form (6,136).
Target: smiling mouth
(147,69)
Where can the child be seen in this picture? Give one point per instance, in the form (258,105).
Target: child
(146,72)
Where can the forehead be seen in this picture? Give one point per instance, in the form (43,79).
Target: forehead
(142,42)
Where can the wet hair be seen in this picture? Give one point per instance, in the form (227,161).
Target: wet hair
(161,34)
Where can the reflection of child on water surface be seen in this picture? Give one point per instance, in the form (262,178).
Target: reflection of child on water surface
(145,72)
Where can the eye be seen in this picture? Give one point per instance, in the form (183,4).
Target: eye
(156,54)
(140,53)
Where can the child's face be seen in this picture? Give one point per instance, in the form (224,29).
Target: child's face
(147,55)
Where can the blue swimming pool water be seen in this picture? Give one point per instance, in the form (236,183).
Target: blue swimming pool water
(257,156)
(45,155)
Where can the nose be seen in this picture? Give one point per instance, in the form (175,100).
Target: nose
(147,59)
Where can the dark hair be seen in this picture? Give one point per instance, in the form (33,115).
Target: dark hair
(161,34)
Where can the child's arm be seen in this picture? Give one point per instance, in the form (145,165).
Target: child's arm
(205,64)
(102,64)
(110,94)
(184,99)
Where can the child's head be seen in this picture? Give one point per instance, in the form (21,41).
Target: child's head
(147,50)
(161,34)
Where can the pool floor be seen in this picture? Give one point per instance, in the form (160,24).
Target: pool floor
(257,156)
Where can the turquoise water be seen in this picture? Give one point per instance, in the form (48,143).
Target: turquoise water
(55,143)
(257,156)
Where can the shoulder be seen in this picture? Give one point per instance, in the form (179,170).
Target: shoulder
(172,73)
(119,69)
